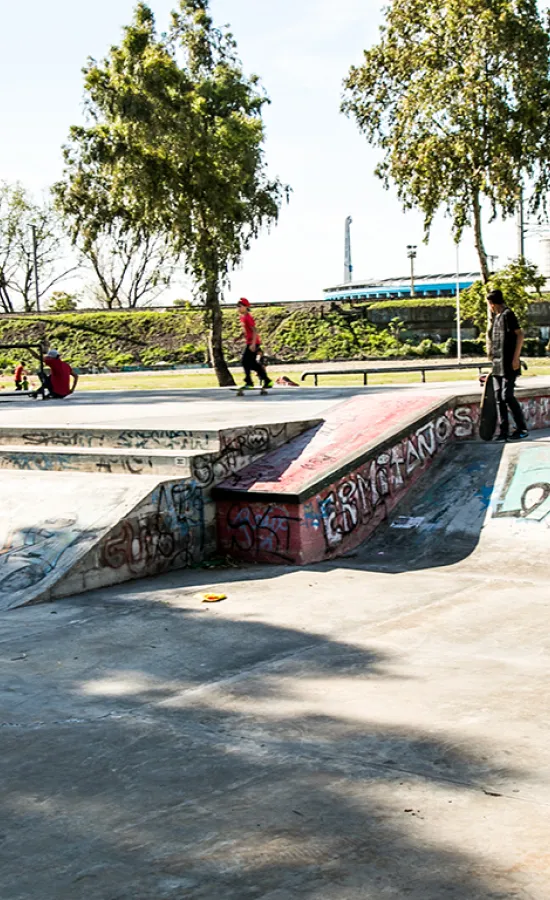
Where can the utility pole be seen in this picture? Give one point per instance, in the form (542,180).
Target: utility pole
(521,226)
(458,315)
(411,253)
(348,268)
(35,265)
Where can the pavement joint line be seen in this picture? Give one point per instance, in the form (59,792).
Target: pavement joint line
(73,720)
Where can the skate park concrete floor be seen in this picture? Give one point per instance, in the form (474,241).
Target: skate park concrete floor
(202,407)
(207,407)
(357,730)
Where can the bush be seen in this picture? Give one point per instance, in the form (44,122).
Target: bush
(427,348)
(61,301)
(469,348)
(533,347)
(515,280)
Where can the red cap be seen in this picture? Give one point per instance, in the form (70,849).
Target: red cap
(244,302)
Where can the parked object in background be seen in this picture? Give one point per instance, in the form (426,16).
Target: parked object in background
(284,381)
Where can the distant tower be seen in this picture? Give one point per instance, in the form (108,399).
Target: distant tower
(348,268)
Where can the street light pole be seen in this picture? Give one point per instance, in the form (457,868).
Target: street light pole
(458,316)
(411,253)
(521,226)
(35,266)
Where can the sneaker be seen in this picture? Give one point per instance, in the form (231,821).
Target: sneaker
(247,387)
(519,434)
(501,438)
(268,383)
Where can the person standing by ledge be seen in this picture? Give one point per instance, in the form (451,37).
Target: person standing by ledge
(507,340)
(58,382)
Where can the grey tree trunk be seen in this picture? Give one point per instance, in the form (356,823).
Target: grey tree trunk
(483,267)
(483,263)
(215,338)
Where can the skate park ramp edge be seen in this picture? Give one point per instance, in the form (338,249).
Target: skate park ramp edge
(307,503)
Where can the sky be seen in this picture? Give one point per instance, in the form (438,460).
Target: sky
(302,50)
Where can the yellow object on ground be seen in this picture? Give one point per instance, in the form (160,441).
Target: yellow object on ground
(214,598)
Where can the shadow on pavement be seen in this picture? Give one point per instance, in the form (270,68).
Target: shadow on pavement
(168,754)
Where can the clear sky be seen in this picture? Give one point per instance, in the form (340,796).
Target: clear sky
(302,50)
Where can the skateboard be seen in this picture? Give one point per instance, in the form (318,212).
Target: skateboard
(488,413)
(241,391)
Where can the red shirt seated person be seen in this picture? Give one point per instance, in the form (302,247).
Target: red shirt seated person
(58,382)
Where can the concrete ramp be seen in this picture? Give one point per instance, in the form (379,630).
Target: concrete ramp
(492,500)
(326,493)
(83,509)
(65,533)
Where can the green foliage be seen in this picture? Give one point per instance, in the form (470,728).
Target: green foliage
(469,348)
(514,282)
(147,338)
(174,148)
(454,95)
(61,301)
(413,304)
(533,346)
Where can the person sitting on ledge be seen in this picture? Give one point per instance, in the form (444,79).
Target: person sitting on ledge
(58,382)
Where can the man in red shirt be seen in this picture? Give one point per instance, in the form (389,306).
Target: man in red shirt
(252,354)
(58,382)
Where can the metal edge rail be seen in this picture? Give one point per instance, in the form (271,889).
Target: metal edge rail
(378,370)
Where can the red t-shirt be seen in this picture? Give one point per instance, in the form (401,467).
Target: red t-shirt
(61,376)
(248,323)
(19,372)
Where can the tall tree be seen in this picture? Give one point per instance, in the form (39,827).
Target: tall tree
(175,147)
(456,94)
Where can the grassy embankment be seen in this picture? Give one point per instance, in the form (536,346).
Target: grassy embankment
(294,340)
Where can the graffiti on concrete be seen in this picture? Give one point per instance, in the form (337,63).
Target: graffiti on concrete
(28,461)
(355,499)
(236,450)
(63,462)
(536,411)
(31,554)
(267,531)
(168,534)
(129,465)
(169,440)
(59,438)
(526,492)
(130,439)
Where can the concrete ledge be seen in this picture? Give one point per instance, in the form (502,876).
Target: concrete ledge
(331,505)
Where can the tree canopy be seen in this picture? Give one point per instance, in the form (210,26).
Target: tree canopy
(174,147)
(456,94)
(520,283)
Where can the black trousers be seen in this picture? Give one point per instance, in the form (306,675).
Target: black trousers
(46,385)
(251,364)
(504,389)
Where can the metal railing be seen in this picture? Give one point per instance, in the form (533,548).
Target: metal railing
(380,370)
